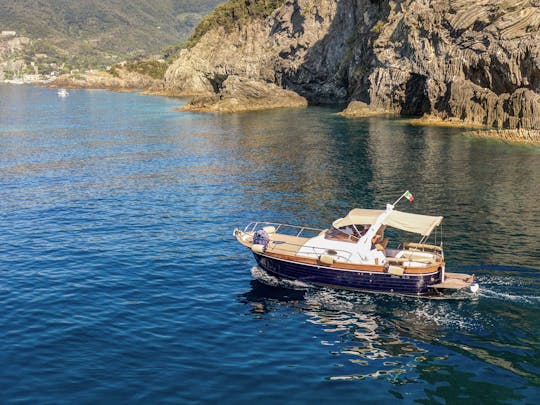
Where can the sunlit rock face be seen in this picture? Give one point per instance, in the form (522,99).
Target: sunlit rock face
(478,62)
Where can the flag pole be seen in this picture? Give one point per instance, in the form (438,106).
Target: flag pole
(398,199)
(406,194)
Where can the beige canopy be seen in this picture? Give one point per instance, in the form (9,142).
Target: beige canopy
(422,224)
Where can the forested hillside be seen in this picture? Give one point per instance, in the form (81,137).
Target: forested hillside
(94,33)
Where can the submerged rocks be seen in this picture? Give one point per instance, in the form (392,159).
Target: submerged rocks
(358,109)
(528,136)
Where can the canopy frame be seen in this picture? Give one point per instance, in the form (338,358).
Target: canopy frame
(415,223)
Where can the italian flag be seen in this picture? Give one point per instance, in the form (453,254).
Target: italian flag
(408,195)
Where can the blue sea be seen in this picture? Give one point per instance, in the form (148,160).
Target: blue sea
(121,282)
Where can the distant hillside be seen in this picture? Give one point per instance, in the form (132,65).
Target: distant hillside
(94,33)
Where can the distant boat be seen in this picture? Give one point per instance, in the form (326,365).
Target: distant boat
(62,93)
(354,253)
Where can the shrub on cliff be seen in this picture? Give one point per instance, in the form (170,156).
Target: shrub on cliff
(153,68)
(233,14)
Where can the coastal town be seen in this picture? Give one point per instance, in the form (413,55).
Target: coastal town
(21,64)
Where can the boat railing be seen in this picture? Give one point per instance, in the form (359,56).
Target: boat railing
(287,229)
(282,241)
(286,247)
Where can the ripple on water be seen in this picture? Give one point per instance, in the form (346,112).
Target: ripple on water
(121,281)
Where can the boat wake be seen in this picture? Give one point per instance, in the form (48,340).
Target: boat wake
(518,288)
(527,299)
(362,313)
(265,278)
(523,289)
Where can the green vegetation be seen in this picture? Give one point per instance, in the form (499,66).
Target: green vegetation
(378,27)
(77,77)
(234,14)
(154,68)
(98,33)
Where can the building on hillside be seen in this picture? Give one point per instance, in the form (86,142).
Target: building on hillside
(32,78)
(8,34)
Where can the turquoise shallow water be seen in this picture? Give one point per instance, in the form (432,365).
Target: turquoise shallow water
(121,282)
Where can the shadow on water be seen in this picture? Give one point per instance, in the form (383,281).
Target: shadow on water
(404,340)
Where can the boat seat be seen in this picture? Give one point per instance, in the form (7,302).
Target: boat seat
(285,244)
(269,229)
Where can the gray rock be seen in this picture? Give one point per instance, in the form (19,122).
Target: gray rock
(241,94)
(478,62)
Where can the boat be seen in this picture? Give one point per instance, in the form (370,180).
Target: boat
(355,253)
(62,93)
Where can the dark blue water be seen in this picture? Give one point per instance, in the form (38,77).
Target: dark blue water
(121,282)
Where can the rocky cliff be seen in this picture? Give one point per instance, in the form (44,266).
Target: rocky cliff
(473,61)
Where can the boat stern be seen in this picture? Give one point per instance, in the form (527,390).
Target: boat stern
(454,282)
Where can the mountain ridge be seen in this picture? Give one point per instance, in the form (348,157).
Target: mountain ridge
(102,32)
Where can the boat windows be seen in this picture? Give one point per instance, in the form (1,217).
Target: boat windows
(349,233)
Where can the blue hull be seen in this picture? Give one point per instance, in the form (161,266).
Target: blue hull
(413,284)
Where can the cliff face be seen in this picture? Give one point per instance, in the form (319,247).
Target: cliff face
(478,62)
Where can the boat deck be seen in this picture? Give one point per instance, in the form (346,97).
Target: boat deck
(455,281)
(285,244)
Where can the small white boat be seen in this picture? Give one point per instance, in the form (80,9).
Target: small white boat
(62,93)
(355,254)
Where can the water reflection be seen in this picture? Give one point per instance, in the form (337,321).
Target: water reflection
(318,166)
(404,340)
(354,331)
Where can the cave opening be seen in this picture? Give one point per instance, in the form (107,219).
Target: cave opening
(417,102)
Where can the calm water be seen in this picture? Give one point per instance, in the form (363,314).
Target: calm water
(121,282)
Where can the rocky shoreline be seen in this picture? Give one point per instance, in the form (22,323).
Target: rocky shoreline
(458,64)
(238,94)
(358,109)
(523,136)
(454,63)
(122,81)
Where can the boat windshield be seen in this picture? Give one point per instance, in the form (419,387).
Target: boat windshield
(349,232)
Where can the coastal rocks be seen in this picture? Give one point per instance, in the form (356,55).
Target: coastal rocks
(358,109)
(264,51)
(527,136)
(122,80)
(241,94)
(474,62)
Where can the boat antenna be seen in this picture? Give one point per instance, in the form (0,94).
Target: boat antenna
(407,194)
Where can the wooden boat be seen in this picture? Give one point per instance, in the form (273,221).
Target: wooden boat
(354,253)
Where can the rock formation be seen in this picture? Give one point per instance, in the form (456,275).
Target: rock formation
(478,62)
(122,80)
(241,94)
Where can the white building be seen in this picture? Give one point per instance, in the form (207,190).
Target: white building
(8,34)
(32,78)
